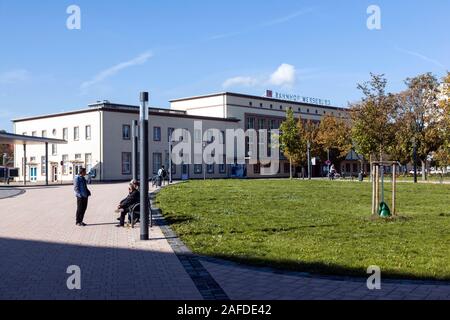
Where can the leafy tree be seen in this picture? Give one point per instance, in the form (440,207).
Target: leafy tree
(422,115)
(402,149)
(442,156)
(290,140)
(373,129)
(5,149)
(308,131)
(334,135)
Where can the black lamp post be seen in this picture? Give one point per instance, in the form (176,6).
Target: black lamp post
(143,137)
(415,159)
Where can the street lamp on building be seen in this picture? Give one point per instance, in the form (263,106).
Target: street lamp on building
(203,160)
(415,158)
(170,157)
(309,160)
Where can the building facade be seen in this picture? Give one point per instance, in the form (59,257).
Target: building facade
(99,137)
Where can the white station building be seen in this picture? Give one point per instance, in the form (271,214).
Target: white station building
(99,137)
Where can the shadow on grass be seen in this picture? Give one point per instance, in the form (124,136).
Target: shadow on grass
(178,220)
(271,230)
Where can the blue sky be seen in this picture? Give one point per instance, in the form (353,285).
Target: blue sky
(181,48)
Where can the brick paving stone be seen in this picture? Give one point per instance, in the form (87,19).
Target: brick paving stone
(39,240)
(243,282)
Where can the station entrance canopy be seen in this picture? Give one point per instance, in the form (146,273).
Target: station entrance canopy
(15,139)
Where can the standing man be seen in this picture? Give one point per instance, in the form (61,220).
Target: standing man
(162,174)
(82,194)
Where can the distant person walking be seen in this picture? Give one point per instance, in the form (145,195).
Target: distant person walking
(162,175)
(332,174)
(82,194)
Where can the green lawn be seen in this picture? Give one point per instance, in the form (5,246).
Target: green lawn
(313,226)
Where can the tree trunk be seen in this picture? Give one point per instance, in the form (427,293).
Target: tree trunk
(290,168)
(424,170)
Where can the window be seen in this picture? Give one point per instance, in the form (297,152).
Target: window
(257,169)
(78,163)
(250,123)
(54,149)
(299,109)
(65,168)
(210,169)
(250,103)
(126,132)
(317,112)
(198,168)
(198,136)
(88,132)
(66,134)
(76,133)
(169,133)
(156,133)
(272,124)
(54,132)
(222,168)
(261,105)
(222,137)
(157,162)
(126,163)
(24,133)
(281,107)
(209,136)
(261,124)
(174,169)
(88,161)
(185,135)
(43,167)
(44,133)
(34,134)
(271,106)
(307,110)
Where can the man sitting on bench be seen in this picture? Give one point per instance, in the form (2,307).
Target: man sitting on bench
(126,204)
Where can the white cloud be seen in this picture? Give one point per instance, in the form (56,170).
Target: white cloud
(14,76)
(284,76)
(422,57)
(240,82)
(289,17)
(270,23)
(105,74)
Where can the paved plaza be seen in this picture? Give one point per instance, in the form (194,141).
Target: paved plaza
(39,241)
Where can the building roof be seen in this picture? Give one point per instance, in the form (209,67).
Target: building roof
(248,96)
(353,156)
(10,138)
(123,108)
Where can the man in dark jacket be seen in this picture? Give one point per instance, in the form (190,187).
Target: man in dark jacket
(126,204)
(82,194)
